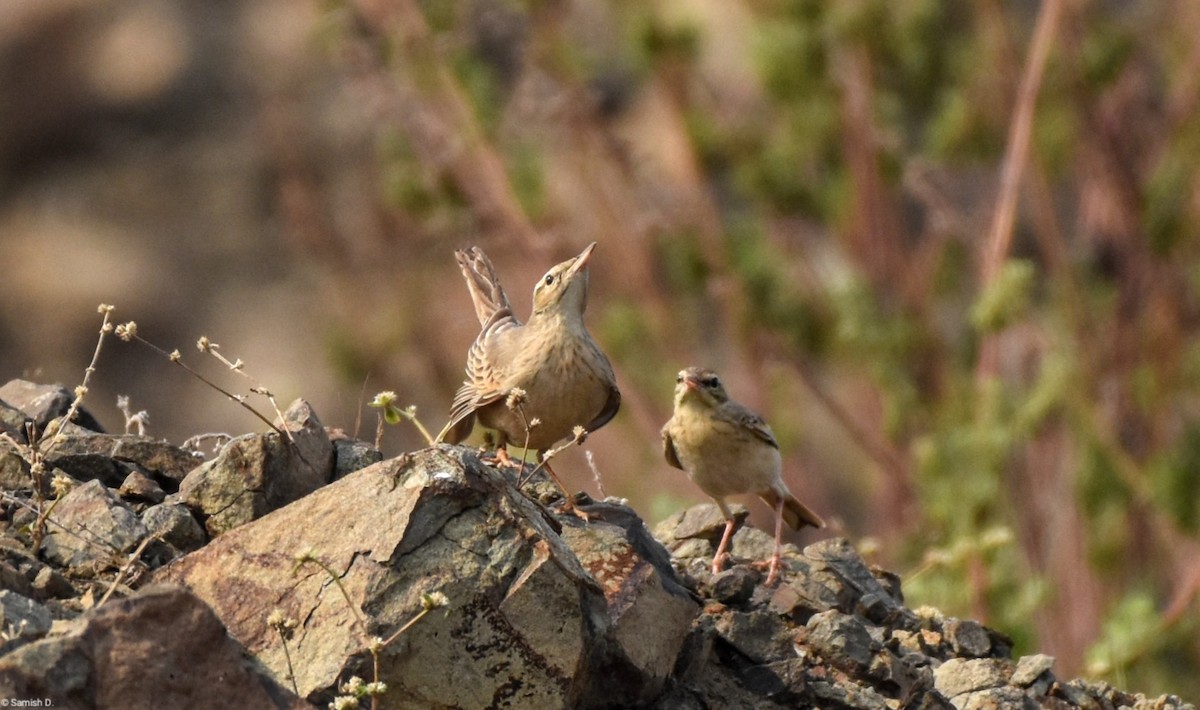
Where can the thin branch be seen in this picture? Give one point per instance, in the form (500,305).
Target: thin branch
(1016,157)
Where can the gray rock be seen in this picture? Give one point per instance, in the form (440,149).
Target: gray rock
(175,525)
(12,578)
(527,624)
(350,455)
(14,470)
(1030,669)
(21,619)
(836,566)
(86,455)
(159,648)
(1003,698)
(758,635)
(45,403)
(48,583)
(137,486)
(258,473)
(90,524)
(967,638)
(640,588)
(12,422)
(841,640)
(958,676)
(735,585)
(703,522)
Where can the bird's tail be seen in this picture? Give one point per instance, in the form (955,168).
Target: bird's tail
(795,513)
(486,293)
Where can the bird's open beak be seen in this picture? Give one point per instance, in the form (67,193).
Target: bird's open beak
(581,260)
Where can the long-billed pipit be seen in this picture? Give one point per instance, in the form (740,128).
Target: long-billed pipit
(727,450)
(550,365)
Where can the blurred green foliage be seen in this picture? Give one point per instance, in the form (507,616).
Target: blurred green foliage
(855,238)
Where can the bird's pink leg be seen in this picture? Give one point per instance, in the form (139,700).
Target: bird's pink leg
(776,558)
(721,555)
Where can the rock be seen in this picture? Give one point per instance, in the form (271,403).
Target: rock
(137,486)
(350,455)
(12,578)
(967,638)
(958,676)
(160,648)
(640,588)
(526,626)
(14,470)
(48,583)
(90,525)
(45,403)
(175,525)
(841,640)
(702,522)
(21,619)
(13,421)
(111,458)
(837,567)
(735,585)
(1030,669)
(258,473)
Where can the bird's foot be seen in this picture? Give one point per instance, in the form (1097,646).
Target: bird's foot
(719,561)
(569,508)
(773,568)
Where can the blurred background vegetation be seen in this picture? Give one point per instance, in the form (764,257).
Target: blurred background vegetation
(948,249)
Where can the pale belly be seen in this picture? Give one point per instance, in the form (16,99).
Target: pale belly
(560,399)
(725,461)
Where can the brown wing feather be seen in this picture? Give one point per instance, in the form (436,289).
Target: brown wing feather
(611,406)
(752,423)
(795,513)
(487,295)
(494,311)
(668,445)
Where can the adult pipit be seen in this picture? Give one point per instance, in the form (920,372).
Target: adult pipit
(532,383)
(727,450)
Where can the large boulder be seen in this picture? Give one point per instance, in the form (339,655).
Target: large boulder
(527,624)
(161,648)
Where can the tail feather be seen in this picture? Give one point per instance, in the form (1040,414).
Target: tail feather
(487,294)
(795,513)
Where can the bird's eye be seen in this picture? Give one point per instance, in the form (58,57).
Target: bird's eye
(679,377)
(712,382)
(549,279)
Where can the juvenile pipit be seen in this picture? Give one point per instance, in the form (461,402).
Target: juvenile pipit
(548,369)
(727,450)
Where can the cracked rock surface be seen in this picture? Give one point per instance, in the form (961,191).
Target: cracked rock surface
(263,577)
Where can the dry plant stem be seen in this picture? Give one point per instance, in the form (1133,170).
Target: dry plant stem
(591,461)
(420,427)
(255,386)
(96,541)
(1016,157)
(346,595)
(402,629)
(241,402)
(133,558)
(81,390)
(379,431)
(287,655)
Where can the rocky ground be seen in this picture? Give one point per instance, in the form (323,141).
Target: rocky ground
(297,568)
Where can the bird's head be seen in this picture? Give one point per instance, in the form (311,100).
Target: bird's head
(564,287)
(697,385)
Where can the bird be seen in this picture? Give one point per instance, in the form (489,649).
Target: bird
(726,449)
(533,383)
